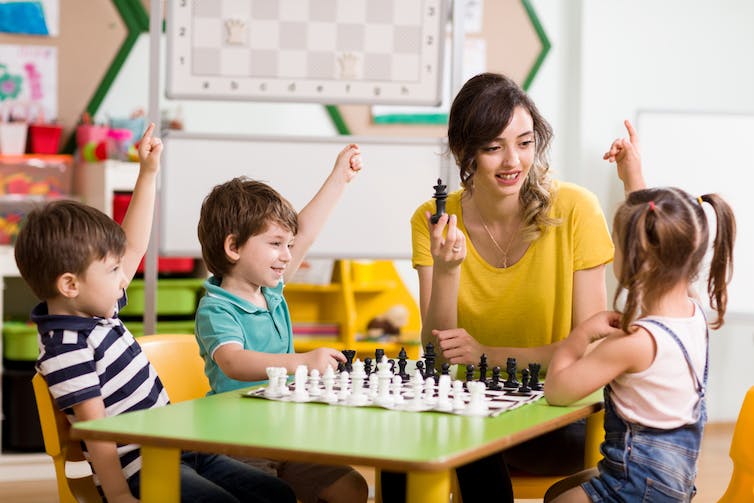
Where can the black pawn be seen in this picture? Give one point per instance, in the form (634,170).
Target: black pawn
(495,384)
(534,383)
(524,388)
(378,354)
(440,195)
(445,368)
(368,366)
(402,361)
(391,362)
(420,368)
(510,368)
(483,368)
(349,354)
(470,372)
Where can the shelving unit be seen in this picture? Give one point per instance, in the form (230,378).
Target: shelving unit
(358,293)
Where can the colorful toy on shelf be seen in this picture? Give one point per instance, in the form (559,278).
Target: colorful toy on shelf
(94,151)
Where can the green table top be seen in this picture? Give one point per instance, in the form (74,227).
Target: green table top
(229,423)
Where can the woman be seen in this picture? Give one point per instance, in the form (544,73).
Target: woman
(516,262)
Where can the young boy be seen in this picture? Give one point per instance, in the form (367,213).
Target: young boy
(247,231)
(79,262)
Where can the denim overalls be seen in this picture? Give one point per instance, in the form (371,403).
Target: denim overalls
(649,464)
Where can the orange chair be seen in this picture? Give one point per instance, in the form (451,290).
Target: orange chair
(741,486)
(176,359)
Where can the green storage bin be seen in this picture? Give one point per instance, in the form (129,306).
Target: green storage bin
(163,327)
(175,296)
(20,341)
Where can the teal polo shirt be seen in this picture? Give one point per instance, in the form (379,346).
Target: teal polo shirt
(223,318)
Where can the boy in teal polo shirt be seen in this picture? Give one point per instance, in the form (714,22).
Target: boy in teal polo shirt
(247,230)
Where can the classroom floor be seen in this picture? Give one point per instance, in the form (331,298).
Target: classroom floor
(715,468)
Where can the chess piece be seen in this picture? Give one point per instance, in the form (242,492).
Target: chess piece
(524,389)
(396,387)
(368,365)
(349,354)
(440,195)
(358,396)
(402,361)
(328,379)
(344,391)
(378,354)
(469,373)
(510,368)
(420,367)
(273,388)
(477,402)
(443,402)
(445,369)
(314,390)
(429,359)
(495,384)
(299,384)
(483,368)
(458,402)
(534,383)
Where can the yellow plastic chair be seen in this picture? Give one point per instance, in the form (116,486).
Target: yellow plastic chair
(741,486)
(62,450)
(176,359)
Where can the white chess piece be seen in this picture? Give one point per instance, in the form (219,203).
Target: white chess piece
(358,396)
(314,390)
(344,391)
(282,381)
(397,386)
(458,402)
(443,394)
(477,402)
(429,391)
(299,384)
(384,378)
(273,387)
(328,379)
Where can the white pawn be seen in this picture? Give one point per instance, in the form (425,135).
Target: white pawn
(314,389)
(373,385)
(477,405)
(443,392)
(328,379)
(429,391)
(282,381)
(299,384)
(273,388)
(344,391)
(397,386)
(458,403)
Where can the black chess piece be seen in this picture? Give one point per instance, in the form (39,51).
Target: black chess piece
(483,368)
(349,354)
(440,195)
(378,354)
(367,366)
(402,361)
(445,368)
(391,363)
(510,368)
(470,372)
(495,383)
(524,389)
(429,359)
(420,368)
(534,383)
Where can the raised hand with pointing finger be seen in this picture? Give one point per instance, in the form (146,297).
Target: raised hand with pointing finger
(625,153)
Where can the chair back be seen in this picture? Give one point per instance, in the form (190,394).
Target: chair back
(176,359)
(62,449)
(741,486)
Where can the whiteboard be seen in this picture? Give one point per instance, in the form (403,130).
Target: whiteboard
(704,153)
(371,220)
(322,51)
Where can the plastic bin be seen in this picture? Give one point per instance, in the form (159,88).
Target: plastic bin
(13,210)
(44,138)
(21,428)
(20,341)
(39,175)
(175,296)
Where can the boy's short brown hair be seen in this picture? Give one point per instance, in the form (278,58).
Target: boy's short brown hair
(60,237)
(242,208)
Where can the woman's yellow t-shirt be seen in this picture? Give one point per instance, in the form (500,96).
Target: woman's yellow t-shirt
(531,302)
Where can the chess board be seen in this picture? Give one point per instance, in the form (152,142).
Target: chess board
(495,401)
(325,51)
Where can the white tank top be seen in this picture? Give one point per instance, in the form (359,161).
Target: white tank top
(665,394)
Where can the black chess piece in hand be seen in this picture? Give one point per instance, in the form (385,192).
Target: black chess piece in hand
(440,195)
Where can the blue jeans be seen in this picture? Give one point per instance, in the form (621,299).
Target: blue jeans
(646,464)
(212,478)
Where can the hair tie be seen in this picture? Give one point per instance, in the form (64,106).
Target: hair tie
(651,205)
(699,198)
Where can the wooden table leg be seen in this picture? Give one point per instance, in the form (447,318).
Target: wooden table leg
(160,475)
(428,487)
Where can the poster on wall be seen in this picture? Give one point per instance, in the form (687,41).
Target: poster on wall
(40,17)
(28,83)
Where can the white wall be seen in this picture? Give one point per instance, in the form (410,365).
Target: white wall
(609,59)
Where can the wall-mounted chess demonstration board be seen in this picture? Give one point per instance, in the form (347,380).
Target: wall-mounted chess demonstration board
(324,51)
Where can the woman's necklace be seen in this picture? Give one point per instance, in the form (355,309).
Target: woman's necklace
(507,249)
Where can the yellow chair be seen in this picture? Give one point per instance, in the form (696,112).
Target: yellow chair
(176,359)
(62,449)
(741,486)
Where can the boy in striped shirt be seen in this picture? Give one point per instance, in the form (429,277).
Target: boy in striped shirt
(79,262)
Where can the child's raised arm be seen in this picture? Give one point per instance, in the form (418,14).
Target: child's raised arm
(625,152)
(137,223)
(312,218)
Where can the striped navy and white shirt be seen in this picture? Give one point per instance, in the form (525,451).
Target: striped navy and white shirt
(82,358)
